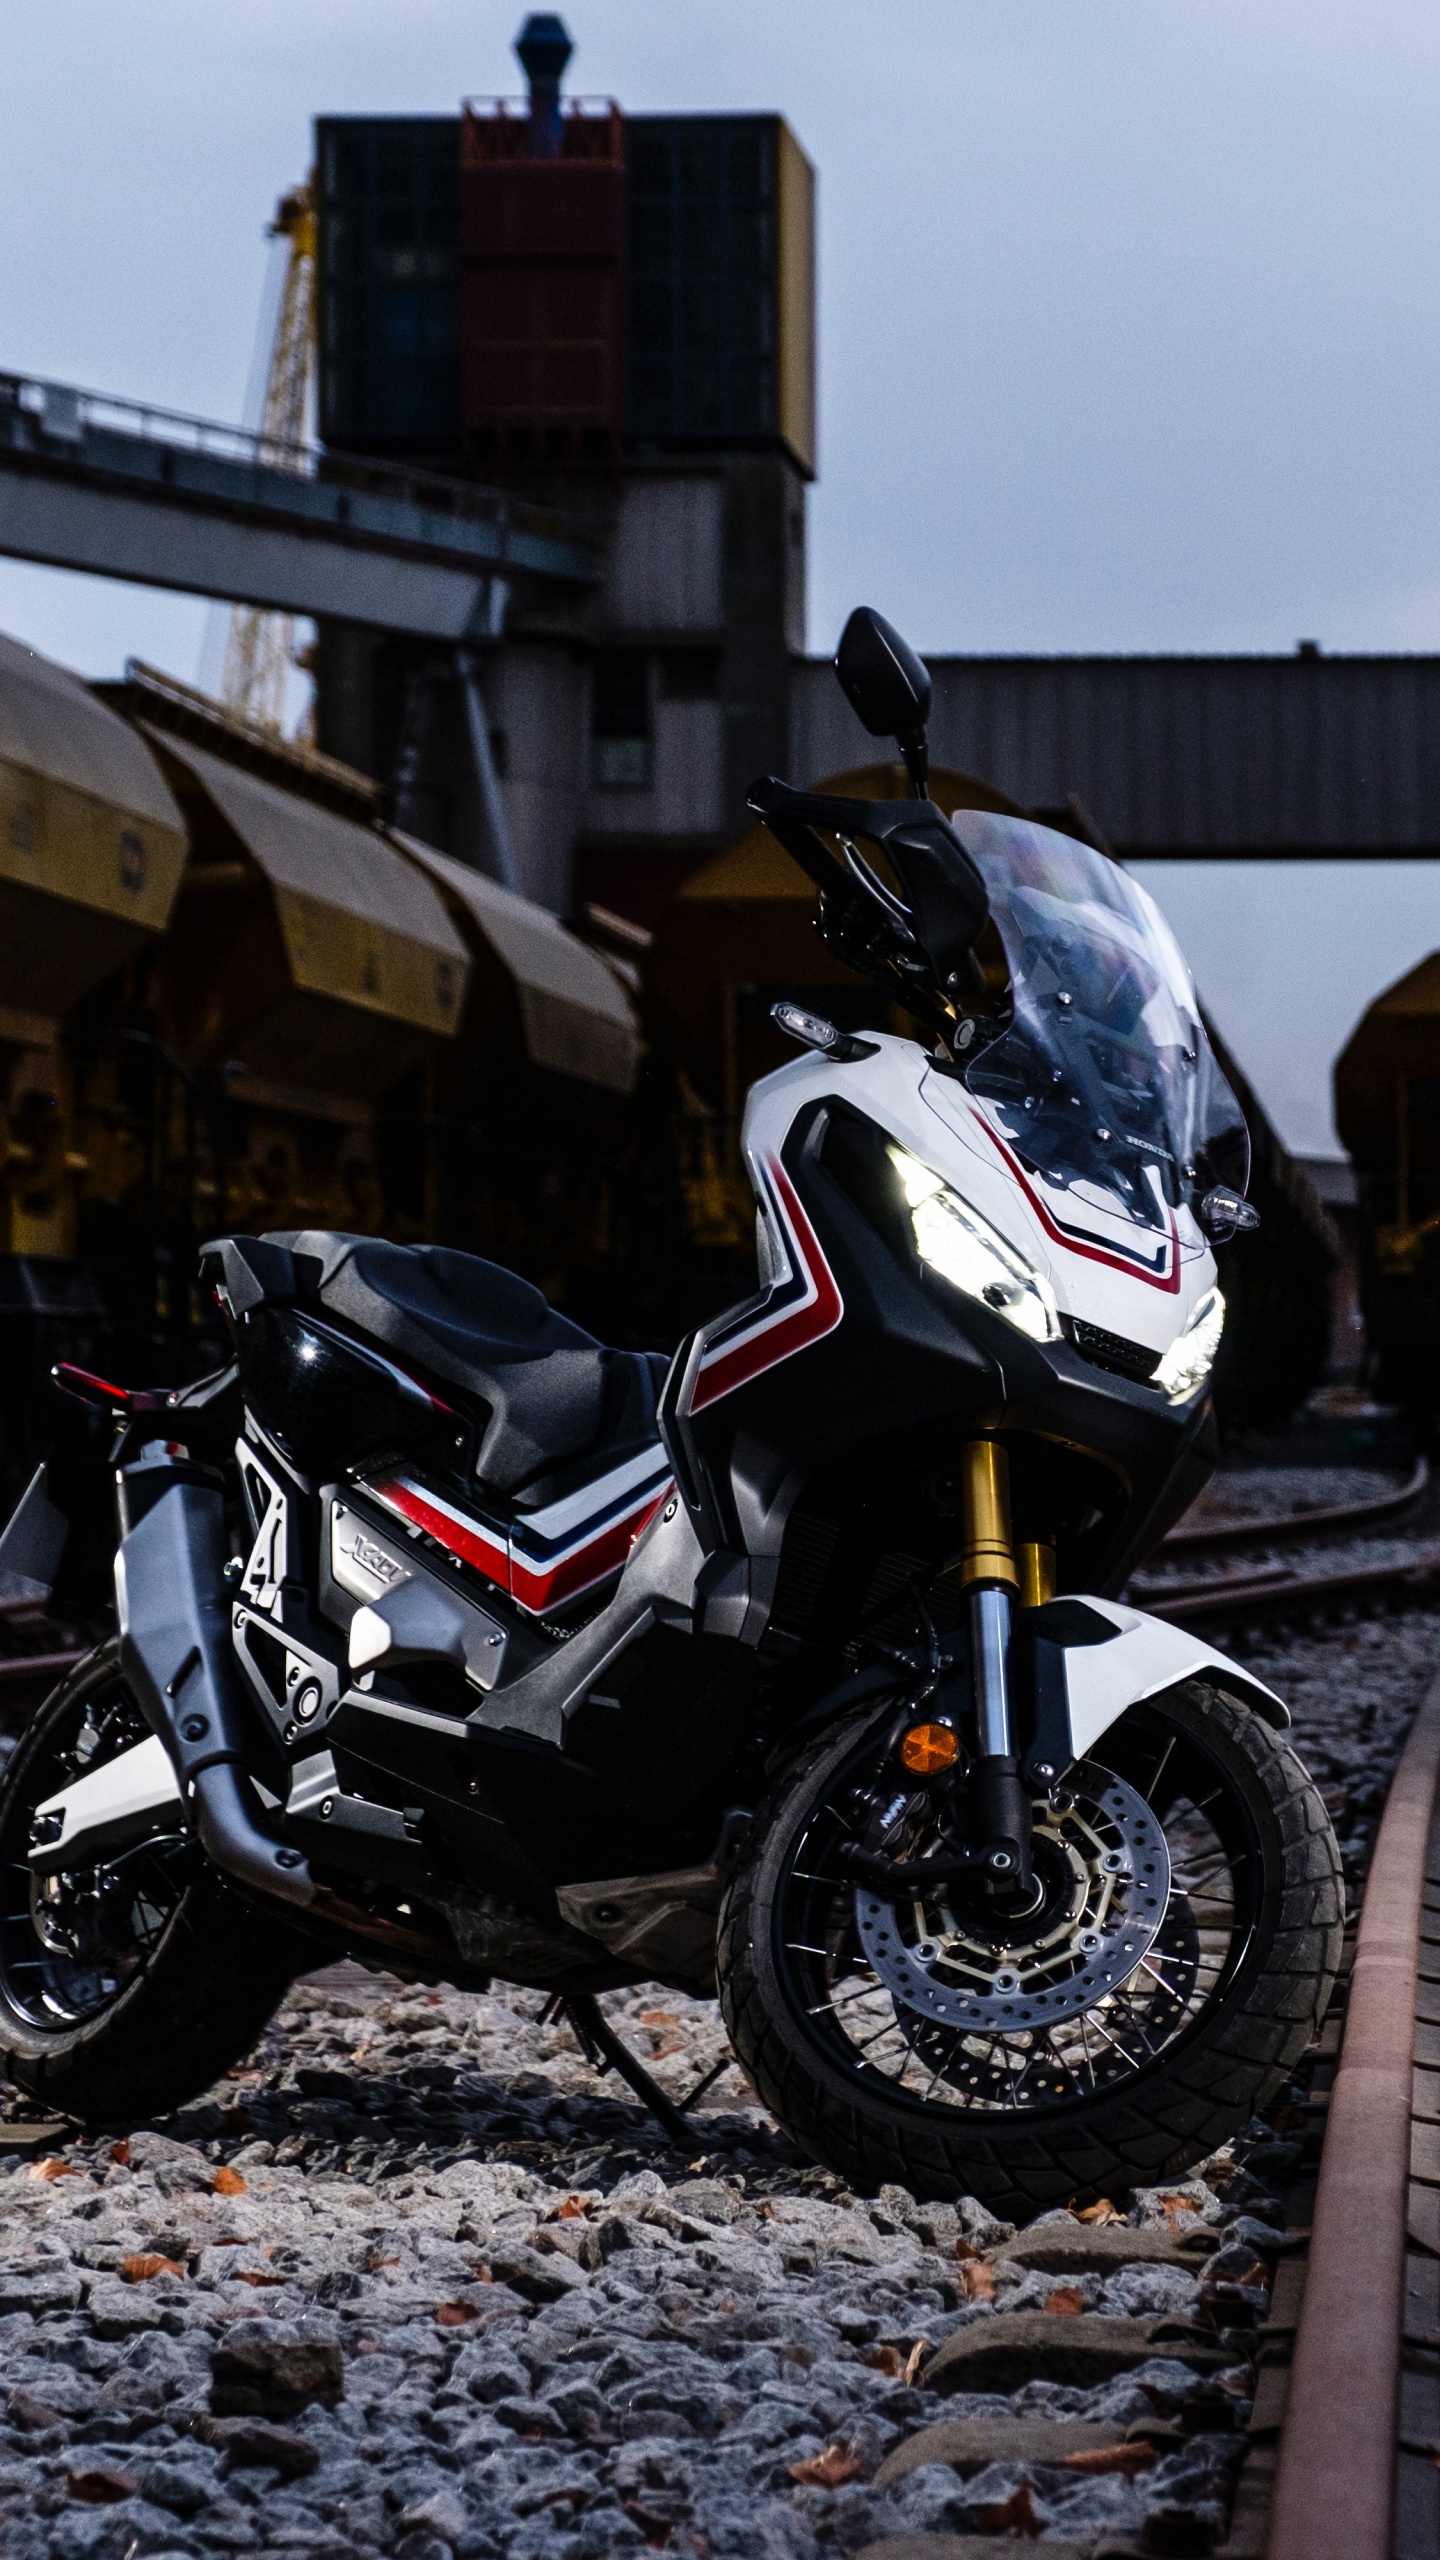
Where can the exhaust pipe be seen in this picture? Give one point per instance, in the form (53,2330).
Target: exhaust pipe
(176,1651)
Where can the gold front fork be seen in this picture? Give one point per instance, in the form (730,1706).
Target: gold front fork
(996,1579)
(988,1554)
(1036,1561)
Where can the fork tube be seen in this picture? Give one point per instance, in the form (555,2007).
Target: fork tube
(990,1636)
(987,1568)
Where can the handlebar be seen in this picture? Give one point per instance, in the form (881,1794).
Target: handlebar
(944,906)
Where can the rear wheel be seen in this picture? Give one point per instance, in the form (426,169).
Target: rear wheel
(125,1989)
(1185,1930)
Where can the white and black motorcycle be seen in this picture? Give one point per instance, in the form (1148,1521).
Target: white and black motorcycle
(791,1667)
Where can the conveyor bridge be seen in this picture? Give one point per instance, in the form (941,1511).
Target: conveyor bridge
(122,490)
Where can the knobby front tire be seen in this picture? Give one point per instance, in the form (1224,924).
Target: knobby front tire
(1263,1942)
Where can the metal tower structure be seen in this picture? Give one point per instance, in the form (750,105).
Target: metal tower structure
(260,649)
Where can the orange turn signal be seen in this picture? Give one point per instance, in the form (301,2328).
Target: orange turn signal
(927,1748)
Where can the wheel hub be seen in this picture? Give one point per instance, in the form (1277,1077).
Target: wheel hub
(1101,1859)
(83,1915)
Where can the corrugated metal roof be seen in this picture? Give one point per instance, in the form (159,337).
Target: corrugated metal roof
(358,921)
(1181,755)
(576,1016)
(52,725)
(303,847)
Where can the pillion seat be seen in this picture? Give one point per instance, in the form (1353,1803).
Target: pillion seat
(555,1395)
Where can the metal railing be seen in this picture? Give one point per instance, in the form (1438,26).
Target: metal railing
(61,418)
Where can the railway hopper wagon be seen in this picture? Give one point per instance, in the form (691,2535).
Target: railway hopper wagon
(231,999)
(1387,1111)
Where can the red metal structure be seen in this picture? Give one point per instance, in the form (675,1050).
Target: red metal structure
(542,239)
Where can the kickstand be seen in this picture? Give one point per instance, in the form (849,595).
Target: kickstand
(603,2050)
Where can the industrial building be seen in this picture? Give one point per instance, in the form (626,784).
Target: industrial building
(612,317)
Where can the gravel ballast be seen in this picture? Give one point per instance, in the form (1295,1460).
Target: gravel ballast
(413,2282)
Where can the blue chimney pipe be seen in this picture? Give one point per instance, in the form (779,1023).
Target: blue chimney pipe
(544,48)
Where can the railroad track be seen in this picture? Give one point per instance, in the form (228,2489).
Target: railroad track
(1345,2428)
(1376,1509)
(1303,1585)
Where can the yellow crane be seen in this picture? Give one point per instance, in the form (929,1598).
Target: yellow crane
(259,650)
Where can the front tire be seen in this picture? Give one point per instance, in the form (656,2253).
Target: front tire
(144,1980)
(1231,1989)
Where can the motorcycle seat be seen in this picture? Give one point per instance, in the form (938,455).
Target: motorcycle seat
(554,1395)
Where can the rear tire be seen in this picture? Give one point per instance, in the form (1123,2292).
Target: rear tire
(154,2017)
(1237,2047)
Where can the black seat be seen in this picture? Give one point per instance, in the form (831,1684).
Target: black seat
(554,1393)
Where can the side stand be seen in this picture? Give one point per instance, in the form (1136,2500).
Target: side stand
(603,2050)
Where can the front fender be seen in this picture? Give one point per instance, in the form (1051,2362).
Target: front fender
(1091,1660)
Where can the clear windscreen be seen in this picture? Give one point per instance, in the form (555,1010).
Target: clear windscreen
(1103,1078)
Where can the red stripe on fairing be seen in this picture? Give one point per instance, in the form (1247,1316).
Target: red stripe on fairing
(1088,1252)
(536,1587)
(547,1587)
(783,1335)
(464,1538)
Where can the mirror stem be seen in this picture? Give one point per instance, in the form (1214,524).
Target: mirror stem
(915,749)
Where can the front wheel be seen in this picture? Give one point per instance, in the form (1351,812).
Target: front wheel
(125,1989)
(1184,1934)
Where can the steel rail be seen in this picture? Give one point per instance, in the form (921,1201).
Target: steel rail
(1335,2482)
(1300,1524)
(1282,1594)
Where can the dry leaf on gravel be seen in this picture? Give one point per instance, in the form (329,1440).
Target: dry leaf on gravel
(147,2263)
(920,2349)
(977,2279)
(51,2168)
(453,2315)
(1127,2458)
(1015,2514)
(101,2484)
(572,2208)
(1100,2214)
(828,2470)
(1067,2300)
(248,2275)
(228,2182)
(120,2154)
(887,2360)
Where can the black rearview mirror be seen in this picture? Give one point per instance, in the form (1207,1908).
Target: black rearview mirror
(886,685)
(882,679)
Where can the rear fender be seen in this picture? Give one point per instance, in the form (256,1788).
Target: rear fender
(1089,1661)
(32,1545)
(131,1798)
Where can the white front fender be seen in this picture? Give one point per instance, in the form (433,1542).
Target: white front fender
(1106,1673)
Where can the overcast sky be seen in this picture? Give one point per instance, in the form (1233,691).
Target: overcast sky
(1129,328)
(1128,335)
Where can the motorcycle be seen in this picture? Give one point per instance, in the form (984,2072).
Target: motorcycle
(790,1670)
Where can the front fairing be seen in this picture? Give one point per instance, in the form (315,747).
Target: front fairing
(1104,1270)
(882,1368)
(1133,1279)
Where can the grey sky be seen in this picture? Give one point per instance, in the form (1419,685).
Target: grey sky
(1128,332)
(1128,335)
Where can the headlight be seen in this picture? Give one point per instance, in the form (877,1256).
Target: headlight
(1191,1356)
(957,1242)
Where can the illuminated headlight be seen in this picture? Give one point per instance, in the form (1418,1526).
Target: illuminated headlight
(1191,1356)
(957,1242)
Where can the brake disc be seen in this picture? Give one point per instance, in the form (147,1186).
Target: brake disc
(1101,1856)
